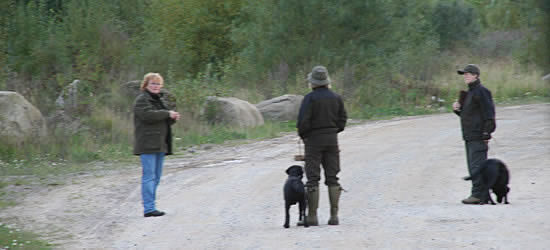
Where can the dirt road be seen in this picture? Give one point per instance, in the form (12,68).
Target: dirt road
(403,178)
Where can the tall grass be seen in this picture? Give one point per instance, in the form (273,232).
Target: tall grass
(506,80)
(107,131)
(215,134)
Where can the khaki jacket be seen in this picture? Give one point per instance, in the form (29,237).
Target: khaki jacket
(152,132)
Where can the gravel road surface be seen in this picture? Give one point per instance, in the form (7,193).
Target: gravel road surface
(403,182)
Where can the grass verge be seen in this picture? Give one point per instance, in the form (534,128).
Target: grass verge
(12,238)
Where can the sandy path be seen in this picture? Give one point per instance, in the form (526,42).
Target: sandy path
(403,183)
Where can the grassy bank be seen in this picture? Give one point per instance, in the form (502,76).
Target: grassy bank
(13,238)
(107,134)
(84,154)
(507,80)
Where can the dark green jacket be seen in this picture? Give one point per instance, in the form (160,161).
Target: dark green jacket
(322,116)
(152,124)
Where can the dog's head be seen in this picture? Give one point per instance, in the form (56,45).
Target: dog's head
(295,170)
(501,188)
(501,193)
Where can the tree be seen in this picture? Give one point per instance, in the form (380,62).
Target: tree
(455,22)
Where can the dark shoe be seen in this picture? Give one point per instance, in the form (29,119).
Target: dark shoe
(471,200)
(154,214)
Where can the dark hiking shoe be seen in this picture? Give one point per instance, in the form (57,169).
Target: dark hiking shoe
(471,200)
(154,214)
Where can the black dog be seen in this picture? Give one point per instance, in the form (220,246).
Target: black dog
(495,176)
(294,192)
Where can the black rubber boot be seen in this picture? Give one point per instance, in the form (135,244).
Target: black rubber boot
(334,196)
(312,205)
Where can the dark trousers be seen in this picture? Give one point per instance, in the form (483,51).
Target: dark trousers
(476,154)
(326,155)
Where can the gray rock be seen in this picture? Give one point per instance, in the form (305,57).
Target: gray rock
(69,107)
(19,119)
(546,77)
(282,108)
(130,89)
(68,99)
(232,112)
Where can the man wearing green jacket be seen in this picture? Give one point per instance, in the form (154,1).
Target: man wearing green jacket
(322,116)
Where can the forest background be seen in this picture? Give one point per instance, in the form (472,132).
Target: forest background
(386,58)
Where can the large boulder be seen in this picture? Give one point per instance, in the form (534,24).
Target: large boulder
(69,108)
(130,89)
(282,108)
(19,119)
(231,111)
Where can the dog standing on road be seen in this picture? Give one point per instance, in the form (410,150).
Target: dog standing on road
(294,192)
(494,176)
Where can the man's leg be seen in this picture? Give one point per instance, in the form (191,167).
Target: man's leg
(331,165)
(313,174)
(476,155)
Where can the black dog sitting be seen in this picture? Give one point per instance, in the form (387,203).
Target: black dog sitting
(495,176)
(294,192)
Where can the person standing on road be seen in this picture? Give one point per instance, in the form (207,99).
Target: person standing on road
(322,116)
(477,119)
(153,137)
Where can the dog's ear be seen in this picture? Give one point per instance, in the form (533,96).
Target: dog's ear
(295,168)
(288,170)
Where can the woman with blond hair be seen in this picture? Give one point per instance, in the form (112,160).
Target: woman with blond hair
(153,137)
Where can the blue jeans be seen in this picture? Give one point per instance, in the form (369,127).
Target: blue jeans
(152,171)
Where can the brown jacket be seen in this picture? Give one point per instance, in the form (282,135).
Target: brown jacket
(152,123)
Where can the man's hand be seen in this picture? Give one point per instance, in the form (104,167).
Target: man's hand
(456,106)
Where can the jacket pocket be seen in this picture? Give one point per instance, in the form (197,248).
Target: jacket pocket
(151,140)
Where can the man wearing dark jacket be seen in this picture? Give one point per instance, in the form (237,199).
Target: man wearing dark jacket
(322,116)
(477,118)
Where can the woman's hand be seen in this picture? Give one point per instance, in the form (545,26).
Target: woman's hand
(174,115)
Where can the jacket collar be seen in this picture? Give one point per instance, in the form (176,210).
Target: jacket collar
(154,96)
(474,84)
(324,87)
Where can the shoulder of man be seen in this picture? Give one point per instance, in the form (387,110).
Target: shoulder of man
(483,91)
(309,96)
